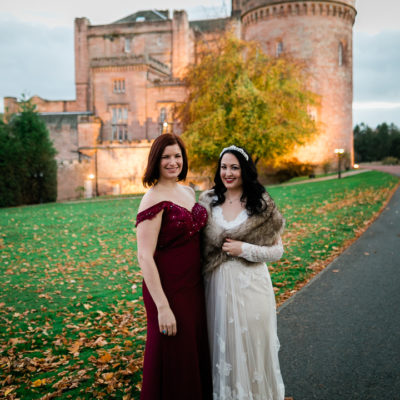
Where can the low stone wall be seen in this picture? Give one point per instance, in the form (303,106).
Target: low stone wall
(71,176)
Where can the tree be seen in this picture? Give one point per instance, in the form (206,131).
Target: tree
(10,156)
(238,95)
(27,163)
(376,144)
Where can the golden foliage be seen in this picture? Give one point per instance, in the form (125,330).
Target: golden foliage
(238,95)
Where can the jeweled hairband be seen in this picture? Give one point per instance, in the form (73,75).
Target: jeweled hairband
(238,149)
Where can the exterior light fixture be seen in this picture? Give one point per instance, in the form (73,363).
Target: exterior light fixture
(339,153)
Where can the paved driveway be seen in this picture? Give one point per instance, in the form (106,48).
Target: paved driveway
(340,335)
(390,169)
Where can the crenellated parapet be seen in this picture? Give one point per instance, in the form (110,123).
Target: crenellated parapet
(256,11)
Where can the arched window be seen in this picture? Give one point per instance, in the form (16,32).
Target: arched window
(340,54)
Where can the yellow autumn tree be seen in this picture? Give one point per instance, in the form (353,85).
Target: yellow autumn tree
(238,95)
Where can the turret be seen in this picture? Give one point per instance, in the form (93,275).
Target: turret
(320,33)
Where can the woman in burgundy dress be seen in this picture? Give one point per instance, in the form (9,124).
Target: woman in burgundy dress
(176,359)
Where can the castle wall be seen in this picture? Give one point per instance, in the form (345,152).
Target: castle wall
(166,96)
(11,105)
(182,44)
(81,64)
(120,169)
(71,177)
(150,57)
(133,98)
(151,38)
(313,32)
(246,6)
(63,129)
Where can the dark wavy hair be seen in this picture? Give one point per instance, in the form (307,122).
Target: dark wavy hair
(252,189)
(152,172)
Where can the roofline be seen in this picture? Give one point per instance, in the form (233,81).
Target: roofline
(159,14)
(66,113)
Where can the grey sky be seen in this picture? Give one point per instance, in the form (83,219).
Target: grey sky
(37,55)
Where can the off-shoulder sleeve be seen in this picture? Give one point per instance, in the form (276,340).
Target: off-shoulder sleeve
(151,212)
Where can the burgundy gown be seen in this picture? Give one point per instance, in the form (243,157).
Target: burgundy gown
(177,367)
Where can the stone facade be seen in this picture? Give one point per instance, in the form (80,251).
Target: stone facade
(320,33)
(128,78)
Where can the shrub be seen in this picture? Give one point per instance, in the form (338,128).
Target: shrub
(291,168)
(390,161)
(326,166)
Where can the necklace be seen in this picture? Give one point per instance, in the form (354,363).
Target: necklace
(230,201)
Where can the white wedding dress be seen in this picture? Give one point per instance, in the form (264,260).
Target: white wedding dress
(241,316)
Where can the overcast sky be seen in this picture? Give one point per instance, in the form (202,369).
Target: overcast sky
(37,53)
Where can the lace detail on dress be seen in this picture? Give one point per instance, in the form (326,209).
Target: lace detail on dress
(241,319)
(219,218)
(254,253)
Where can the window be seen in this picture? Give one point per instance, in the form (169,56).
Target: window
(119,85)
(165,126)
(119,123)
(127,45)
(279,49)
(340,54)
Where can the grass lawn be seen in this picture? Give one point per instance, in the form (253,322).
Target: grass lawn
(72,323)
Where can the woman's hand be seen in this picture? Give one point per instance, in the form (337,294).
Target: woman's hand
(232,247)
(166,321)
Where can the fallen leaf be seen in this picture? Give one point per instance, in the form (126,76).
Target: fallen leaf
(108,376)
(75,347)
(39,382)
(100,342)
(105,358)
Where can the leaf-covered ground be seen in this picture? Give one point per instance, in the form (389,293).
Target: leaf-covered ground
(72,323)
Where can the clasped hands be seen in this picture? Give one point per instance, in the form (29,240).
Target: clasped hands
(166,318)
(232,247)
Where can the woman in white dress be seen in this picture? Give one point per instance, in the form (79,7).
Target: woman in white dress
(242,234)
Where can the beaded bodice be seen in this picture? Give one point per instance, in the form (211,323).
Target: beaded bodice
(178,223)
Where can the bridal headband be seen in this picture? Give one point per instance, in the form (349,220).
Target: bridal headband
(238,149)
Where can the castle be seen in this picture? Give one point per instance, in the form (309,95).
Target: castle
(128,76)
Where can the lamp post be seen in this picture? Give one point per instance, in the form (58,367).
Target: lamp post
(39,179)
(339,153)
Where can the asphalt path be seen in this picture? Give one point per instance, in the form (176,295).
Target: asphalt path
(340,335)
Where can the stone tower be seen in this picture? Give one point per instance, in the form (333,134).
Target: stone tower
(321,34)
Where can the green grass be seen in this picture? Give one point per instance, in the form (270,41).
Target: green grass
(71,317)
(321,218)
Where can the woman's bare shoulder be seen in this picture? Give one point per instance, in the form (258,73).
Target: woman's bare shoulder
(189,190)
(150,198)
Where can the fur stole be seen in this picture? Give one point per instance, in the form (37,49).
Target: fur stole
(260,229)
